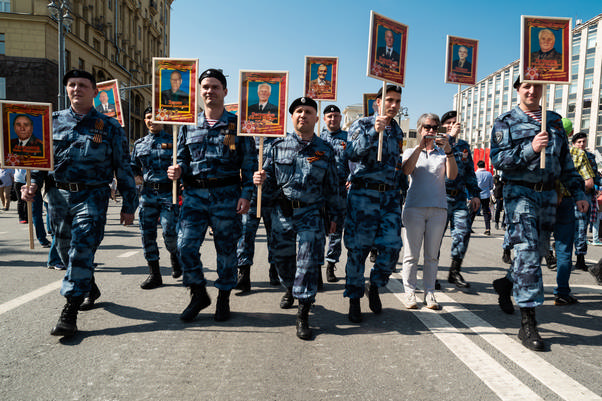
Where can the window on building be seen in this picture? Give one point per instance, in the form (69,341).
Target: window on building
(110,4)
(5,6)
(558,93)
(587,103)
(67,60)
(573,88)
(2,88)
(591,36)
(96,44)
(585,124)
(81,64)
(2,48)
(571,108)
(588,81)
(590,60)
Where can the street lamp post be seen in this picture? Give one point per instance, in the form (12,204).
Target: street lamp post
(60,13)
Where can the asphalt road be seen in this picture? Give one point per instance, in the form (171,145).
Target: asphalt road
(134,347)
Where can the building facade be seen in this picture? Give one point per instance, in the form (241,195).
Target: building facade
(581,101)
(112,39)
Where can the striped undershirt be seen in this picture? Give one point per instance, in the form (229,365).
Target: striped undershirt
(536,115)
(211,122)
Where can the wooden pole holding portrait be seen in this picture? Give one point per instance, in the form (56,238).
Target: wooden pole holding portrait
(387,49)
(26,141)
(175,86)
(263,98)
(545,57)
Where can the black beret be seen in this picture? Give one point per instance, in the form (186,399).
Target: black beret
(390,88)
(303,101)
(331,108)
(578,135)
(79,74)
(213,73)
(516,84)
(148,110)
(448,115)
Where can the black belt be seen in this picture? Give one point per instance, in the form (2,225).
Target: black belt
(372,185)
(295,204)
(212,182)
(159,186)
(452,192)
(74,187)
(536,186)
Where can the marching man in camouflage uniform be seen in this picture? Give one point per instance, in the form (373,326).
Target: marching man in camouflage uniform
(373,202)
(458,216)
(530,197)
(337,138)
(89,149)
(216,167)
(151,157)
(300,174)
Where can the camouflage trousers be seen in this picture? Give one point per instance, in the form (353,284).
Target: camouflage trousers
(78,221)
(458,219)
(373,221)
(201,208)
(531,217)
(245,250)
(581,223)
(298,267)
(154,206)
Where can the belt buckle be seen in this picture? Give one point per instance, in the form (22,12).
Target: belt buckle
(73,187)
(155,185)
(296,204)
(202,183)
(382,187)
(538,187)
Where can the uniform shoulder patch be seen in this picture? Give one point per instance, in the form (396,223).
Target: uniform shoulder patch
(497,136)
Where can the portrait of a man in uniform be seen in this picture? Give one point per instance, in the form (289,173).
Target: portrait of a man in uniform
(547,57)
(263,109)
(462,65)
(174,97)
(25,143)
(388,55)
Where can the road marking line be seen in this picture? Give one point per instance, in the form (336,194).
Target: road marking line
(505,385)
(128,254)
(23,299)
(556,380)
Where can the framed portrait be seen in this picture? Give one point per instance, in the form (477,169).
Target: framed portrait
(546,44)
(175,90)
(231,107)
(26,135)
(387,49)
(369,99)
(461,60)
(108,100)
(321,77)
(263,97)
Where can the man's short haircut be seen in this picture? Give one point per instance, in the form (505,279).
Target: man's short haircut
(448,115)
(424,117)
(390,88)
(176,72)
(578,135)
(265,84)
(517,83)
(463,47)
(22,115)
(148,110)
(481,164)
(539,35)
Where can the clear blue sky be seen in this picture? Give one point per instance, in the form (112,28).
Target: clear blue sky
(277,35)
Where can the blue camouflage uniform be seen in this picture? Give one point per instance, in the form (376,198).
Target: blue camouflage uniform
(301,177)
(530,196)
(151,157)
(458,215)
(338,141)
(88,151)
(217,170)
(373,204)
(245,250)
(582,219)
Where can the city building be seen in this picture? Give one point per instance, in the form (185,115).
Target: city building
(112,39)
(581,101)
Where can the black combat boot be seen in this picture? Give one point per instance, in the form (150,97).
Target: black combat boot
(506,256)
(303,330)
(287,300)
(528,333)
(320,281)
(355,310)
(91,296)
(154,279)
(503,287)
(550,260)
(175,265)
(581,263)
(222,307)
(274,280)
(66,326)
(330,277)
(374,299)
(454,276)
(199,300)
(244,279)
